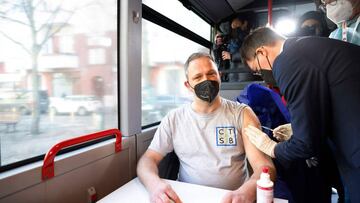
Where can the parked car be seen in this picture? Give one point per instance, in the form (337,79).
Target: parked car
(22,101)
(164,103)
(79,104)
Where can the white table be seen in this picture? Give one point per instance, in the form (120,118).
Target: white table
(135,192)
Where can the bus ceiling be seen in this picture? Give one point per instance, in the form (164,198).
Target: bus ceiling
(216,11)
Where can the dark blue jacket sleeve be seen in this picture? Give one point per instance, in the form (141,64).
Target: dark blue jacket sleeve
(305,88)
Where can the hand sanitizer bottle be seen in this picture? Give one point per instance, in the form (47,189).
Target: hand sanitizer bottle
(264,189)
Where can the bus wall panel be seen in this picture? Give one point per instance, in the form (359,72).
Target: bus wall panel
(143,141)
(33,194)
(19,179)
(98,167)
(105,175)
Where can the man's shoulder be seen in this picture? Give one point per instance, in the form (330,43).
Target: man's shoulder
(181,110)
(232,104)
(174,116)
(296,48)
(291,44)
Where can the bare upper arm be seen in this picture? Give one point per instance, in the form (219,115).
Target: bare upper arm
(257,159)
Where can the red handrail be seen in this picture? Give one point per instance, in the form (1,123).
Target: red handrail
(270,12)
(48,165)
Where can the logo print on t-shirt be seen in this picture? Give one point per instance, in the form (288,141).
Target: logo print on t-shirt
(225,136)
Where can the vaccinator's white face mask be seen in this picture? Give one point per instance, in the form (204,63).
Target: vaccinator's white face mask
(340,11)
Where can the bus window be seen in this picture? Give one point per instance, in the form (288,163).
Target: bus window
(164,53)
(61,85)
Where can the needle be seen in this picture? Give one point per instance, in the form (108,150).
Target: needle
(267,128)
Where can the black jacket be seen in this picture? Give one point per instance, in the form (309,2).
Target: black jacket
(319,78)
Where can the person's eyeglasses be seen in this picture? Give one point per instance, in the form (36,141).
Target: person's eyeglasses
(331,2)
(326,2)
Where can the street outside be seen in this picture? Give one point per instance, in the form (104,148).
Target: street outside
(18,144)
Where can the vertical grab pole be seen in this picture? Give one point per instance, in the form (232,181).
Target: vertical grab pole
(269,13)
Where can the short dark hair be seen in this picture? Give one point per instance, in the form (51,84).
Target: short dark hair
(318,16)
(196,56)
(262,36)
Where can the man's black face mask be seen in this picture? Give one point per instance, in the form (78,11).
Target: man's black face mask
(268,77)
(207,90)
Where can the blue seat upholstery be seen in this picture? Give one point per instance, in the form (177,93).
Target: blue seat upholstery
(266,104)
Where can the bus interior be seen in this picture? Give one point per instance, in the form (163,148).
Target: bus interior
(111,70)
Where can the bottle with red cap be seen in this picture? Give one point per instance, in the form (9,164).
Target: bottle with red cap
(264,189)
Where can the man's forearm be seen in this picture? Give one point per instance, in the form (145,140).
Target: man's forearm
(257,172)
(147,172)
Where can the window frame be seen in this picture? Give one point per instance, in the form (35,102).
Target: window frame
(158,19)
(163,21)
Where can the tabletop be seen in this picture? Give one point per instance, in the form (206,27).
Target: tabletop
(134,191)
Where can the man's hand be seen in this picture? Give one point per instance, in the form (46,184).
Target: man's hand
(239,196)
(163,193)
(226,55)
(260,140)
(283,132)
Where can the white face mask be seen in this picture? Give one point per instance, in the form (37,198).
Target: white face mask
(339,12)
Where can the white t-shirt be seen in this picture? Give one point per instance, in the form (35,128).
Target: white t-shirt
(209,146)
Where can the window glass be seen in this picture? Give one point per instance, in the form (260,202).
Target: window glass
(66,44)
(97,56)
(49,92)
(99,41)
(163,56)
(178,13)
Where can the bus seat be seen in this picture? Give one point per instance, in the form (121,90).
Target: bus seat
(169,166)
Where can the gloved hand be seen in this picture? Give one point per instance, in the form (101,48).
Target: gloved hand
(283,132)
(312,162)
(260,140)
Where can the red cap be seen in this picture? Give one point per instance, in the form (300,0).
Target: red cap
(265,170)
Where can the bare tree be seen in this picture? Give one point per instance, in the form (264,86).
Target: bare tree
(42,19)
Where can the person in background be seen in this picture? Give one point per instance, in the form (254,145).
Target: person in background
(237,35)
(319,80)
(208,138)
(220,46)
(240,28)
(312,23)
(346,15)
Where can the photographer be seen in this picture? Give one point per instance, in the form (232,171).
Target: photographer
(220,47)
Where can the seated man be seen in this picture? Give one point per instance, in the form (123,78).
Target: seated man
(207,136)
